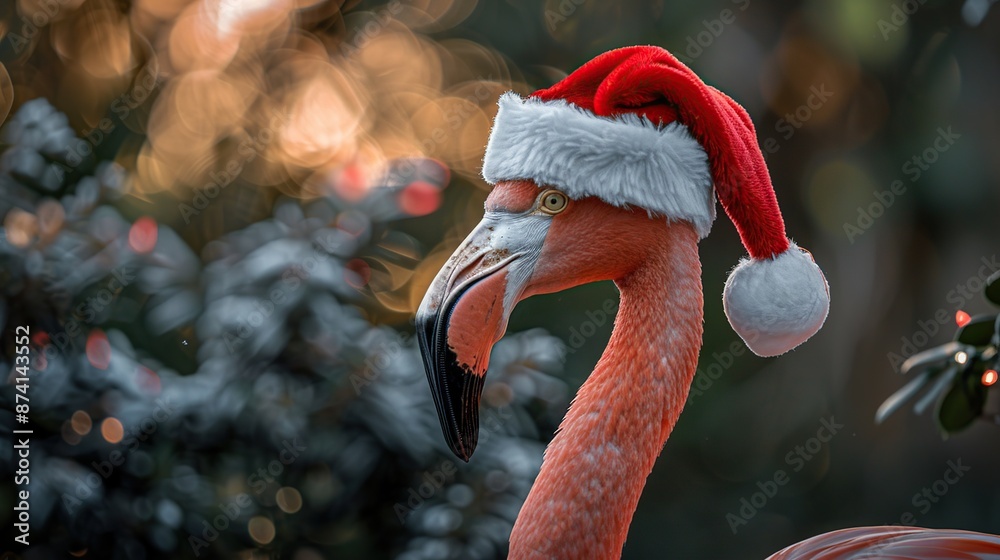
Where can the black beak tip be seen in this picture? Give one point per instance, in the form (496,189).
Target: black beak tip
(456,390)
(459,393)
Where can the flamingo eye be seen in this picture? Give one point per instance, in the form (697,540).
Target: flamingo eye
(553,202)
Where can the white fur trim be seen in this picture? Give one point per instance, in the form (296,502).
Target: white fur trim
(777,304)
(624,160)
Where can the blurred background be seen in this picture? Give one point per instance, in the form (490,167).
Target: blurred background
(219,216)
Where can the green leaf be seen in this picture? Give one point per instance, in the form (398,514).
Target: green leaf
(937,390)
(978,332)
(961,405)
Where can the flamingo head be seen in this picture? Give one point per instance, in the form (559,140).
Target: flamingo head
(531,240)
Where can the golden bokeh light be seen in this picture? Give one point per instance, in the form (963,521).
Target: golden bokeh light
(6,93)
(195,43)
(399,59)
(207,103)
(164,10)
(106,48)
(223,91)
(323,121)
(288,499)
(170,137)
(805,81)
(112,430)
(152,173)
(246,17)
(431,15)
(20,227)
(246,90)
(81,423)
(46,12)
(261,529)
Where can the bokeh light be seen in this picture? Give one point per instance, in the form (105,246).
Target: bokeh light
(962,318)
(261,529)
(20,227)
(6,93)
(989,377)
(81,422)
(142,235)
(357,273)
(112,430)
(419,198)
(288,499)
(98,349)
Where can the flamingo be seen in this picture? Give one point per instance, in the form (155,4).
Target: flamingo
(538,238)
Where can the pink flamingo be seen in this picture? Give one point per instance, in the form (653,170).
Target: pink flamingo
(563,214)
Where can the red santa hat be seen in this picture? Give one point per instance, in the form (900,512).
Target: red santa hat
(636,127)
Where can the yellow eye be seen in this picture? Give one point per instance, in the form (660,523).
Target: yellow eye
(553,202)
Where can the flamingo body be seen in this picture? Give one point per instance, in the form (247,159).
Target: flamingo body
(894,543)
(594,471)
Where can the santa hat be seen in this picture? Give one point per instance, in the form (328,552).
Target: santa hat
(636,127)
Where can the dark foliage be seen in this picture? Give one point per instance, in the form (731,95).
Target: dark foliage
(188,405)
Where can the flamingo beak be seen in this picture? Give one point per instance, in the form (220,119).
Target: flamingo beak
(465,312)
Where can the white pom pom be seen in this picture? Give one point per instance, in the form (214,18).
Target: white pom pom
(777,304)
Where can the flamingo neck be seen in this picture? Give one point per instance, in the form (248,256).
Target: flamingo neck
(594,470)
